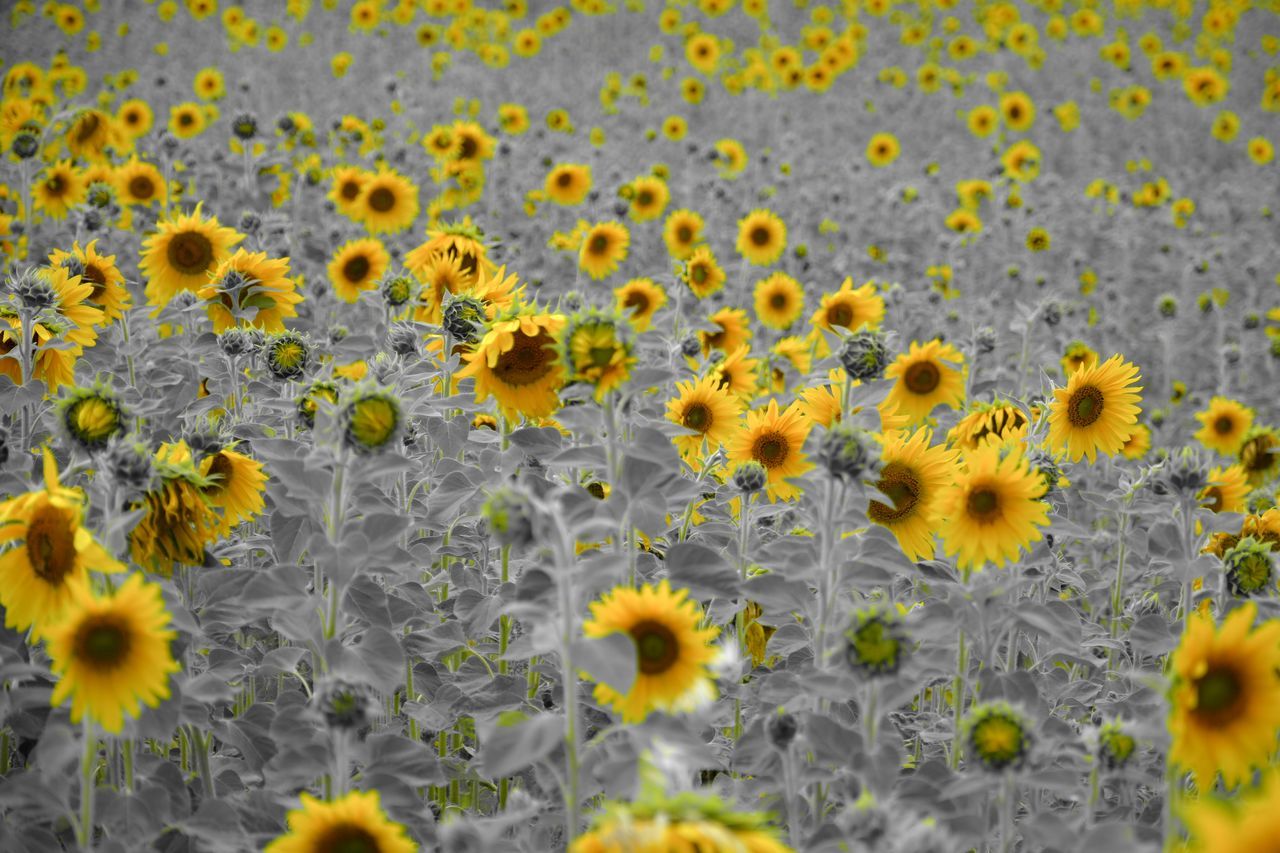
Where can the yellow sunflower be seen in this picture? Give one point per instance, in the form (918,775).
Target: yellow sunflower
(638,300)
(925,379)
(596,353)
(1259,454)
(58,189)
(1097,410)
(762,237)
(48,553)
(348,184)
(998,422)
(779,300)
(733,329)
(187,120)
(358,266)
(109,293)
(180,519)
(388,202)
(604,248)
(649,197)
(91,132)
(1223,425)
(353,822)
(682,232)
(702,273)
(568,183)
(712,414)
(111,654)
(993,509)
(775,439)
(1247,823)
(251,288)
(236,487)
(515,363)
(1227,490)
(183,253)
(458,241)
(673,649)
(1138,444)
(883,149)
(847,308)
(1225,697)
(914,476)
(135,117)
(140,183)
(737,373)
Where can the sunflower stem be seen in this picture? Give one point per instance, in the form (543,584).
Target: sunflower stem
(568,678)
(957,697)
(1008,808)
(1117,589)
(88,767)
(834,496)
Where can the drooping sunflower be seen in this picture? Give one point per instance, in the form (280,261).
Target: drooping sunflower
(58,189)
(348,183)
(673,650)
(737,373)
(638,300)
(732,330)
(109,293)
(236,486)
(998,422)
(180,520)
(682,232)
(111,653)
(711,412)
(91,132)
(473,143)
(604,248)
(183,253)
(139,182)
(461,241)
(1259,454)
(54,366)
(568,183)
(993,509)
(1097,410)
(925,379)
(914,475)
(388,202)
(91,417)
(515,363)
(48,553)
(1225,697)
(779,300)
(702,273)
(847,308)
(1227,489)
(649,197)
(72,293)
(358,266)
(775,439)
(596,351)
(250,288)
(1223,425)
(762,237)
(353,822)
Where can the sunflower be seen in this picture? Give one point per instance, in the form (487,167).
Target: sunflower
(883,149)
(111,654)
(731,160)
(48,553)
(568,183)
(387,202)
(58,189)
(649,197)
(1018,110)
(109,293)
(358,266)
(353,822)
(847,308)
(595,352)
(993,508)
(793,351)
(1227,489)
(91,417)
(925,379)
(248,287)
(638,300)
(348,184)
(460,241)
(54,366)
(775,440)
(473,143)
(72,291)
(135,118)
(183,253)
(737,373)
(139,183)
(1097,410)
(762,237)
(1078,354)
(90,134)
(998,422)
(187,120)
(515,362)
(682,232)
(779,300)
(914,476)
(1223,425)
(734,330)
(442,276)
(702,273)
(1247,823)
(236,486)
(604,247)
(1259,454)
(1138,444)
(673,649)
(684,822)
(711,412)
(1224,697)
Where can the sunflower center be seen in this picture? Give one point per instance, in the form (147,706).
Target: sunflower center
(922,377)
(644,199)
(186,119)
(102,641)
(778,301)
(900,484)
(1218,695)
(526,362)
(88,127)
(760,236)
(637,301)
(1224,425)
(467,149)
(350,190)
(51,545)
(598,245)
(1212,499)
(697,417)
(698,275)
(54,185)
(601,356)
(1256,454)
(142,187)
(190,253)
(656,645)
(770,450)
(97,278)
(564,180)
(1085,406)
(220,470)
(684,234)
(356,268)
(382,199)
(983,504)
(348,838)
(840,314)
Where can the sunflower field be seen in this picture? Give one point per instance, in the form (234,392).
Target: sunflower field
(722,426)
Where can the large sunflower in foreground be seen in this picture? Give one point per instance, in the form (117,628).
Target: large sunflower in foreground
(1223,425)
(1225,697)
(515,363)
(775,439)
(1247,823)
(709,411)
(388,202)
(353,823)
(604,247)
(993,509)
(111,654)
(250,288)
(925,379)
(50,553)
(673,649)
(356,267)
(183,253)
(914,476)
(1097,410)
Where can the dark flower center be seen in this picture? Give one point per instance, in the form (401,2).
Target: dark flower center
(142,187)
(1218,696)
(770,449)
(840,314)
(527,361)
(347,838)
(51,545)
(922,377)
(760,236)
(382,199)
(1224,425)
(697,417)
(656,646)
(598,245)
(355,269)
(983,504)
(190,253)
(901,485)
(102,641)
(1085,406)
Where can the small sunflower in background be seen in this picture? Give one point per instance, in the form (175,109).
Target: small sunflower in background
(1138,443)
(1038,240)
(352,822)
(109,293)
(775,439)
(993,509)
(568,183)
(926,377)
(779,300)
(703,273)
(516,364)
(1223,425)
(1227,490)
(1259,454)
(388,202)
(187,120)
(1096,411)
(762,237)
(711,412)
(357,267)
(604,248)
(59,188)
(141,183)
(135,118)
(997,737)
(682,232)
(883,149)
(997,422)
(638,300)
(91,133)
(913,475)
(731,160)
(595,351)
(1018,111)
(250,288)
(674,649)
(649,197)
(848,308)
(348,183)
(183,253)
(1077,355)
(732,329)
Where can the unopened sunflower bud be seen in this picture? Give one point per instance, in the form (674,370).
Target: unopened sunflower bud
(345,706)
(997,737)
(245,126)
(250,222)
(33,292)
(464,318)
(510,515)
(984,340)
(288,355)
(1048,468)
(875,642)
(309,402)
(1250,568)
(781,730)
(690,346)
(1115,746)
(849,453)
(750,477)
(864,355)
(25,145)
(402,339)
(398,290)
(371,420)
(100,195)
(236,342)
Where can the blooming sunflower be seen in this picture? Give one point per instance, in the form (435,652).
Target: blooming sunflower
(779,300)
(1097,410)
(109,293)
(135,117)
(998,422)
(459,241)
(1259,454)
(91,132)
(348,184)
(649,197)
(180,519)
(673,649)
(775,439)
(354,822)
(847,308)
(388,202)
(1078,355)
(682,232)
(187,120)
(883,149)
(236,486)
(1224,697)
(141,183)
(702,273)
(711,412)
(1228,487)
(993,508)
(604,248)
(515,362)
(249,287)
(1223,425)
(442,276)
(1138,444)
(595,352)
(925,379)
(58,189)
(1247,823)
(358,266)
(914,476)
(568,183)
(183,253)
(638,300)
(111,654)
(737,373)
(685,822)
(48,553)
(762,237)
(733,329)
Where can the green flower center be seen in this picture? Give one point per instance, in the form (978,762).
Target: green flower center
(770,450)
(983,504)
(1085,406)
(1218,695)
(102,642)
(656,646)
(697,417)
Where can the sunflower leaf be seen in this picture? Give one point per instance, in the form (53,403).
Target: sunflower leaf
(610,660)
